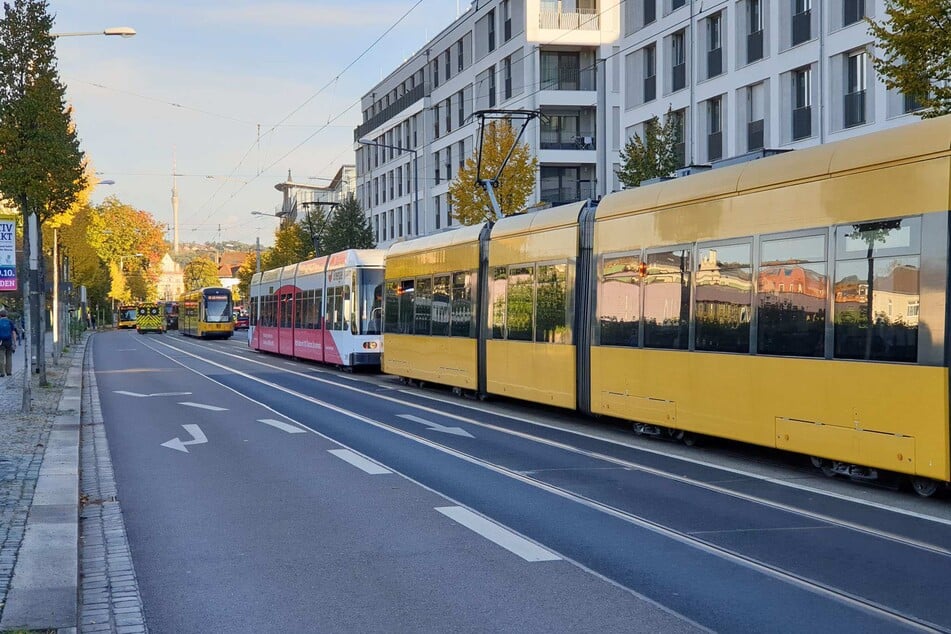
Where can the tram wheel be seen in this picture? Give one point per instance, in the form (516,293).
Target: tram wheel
(690,439)
(925,487)
(826,466)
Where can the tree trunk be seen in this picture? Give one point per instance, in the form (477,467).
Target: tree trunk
(26,311)
(41,306)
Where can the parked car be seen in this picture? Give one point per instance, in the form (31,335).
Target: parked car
(241,321)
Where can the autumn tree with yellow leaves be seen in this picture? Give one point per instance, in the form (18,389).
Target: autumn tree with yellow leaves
(470,202)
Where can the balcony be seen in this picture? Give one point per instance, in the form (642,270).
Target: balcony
(754,46)
(561,140)
(569,78)
(389,112)
(801,123)
(854,108)
(550,16)
(650,88)
(714,62)
(801,27)
(715,146)
(679,76)
(754,135)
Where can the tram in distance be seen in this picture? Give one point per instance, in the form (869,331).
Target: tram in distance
(171,315)
(797,302)
(206,313)
(127,316)
(327,309)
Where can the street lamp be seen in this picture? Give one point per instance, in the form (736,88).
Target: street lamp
(257,240)
(121,31)
(415,173)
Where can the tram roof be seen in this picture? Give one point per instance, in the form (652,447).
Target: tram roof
(436,241)
(561,216)
(356,257)
(928,137)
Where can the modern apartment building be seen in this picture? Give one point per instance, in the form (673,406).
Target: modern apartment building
(742,76)
(514,54)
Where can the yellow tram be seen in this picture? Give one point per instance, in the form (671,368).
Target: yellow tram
(206,313)
(797,302)
(127,316)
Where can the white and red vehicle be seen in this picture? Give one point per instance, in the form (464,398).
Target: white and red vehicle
(328,309)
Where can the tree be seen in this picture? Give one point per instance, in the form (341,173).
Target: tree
(916,42)
(41,165)
(470,201)
(291,245)
(650,156)
(315,224)
(199,273)
(245,273)
(87,268)
(349,228)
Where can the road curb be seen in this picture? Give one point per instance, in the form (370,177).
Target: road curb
(44,590)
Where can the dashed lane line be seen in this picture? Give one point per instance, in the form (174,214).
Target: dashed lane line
(290,429)
(510,541)
(211,408)
(360,462)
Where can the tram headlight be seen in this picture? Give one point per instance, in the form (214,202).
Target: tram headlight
(370,345)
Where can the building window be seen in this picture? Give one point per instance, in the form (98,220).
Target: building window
(650,11)
(801,21)
(447,105)
(461,108)
(460,58)
(678,57)
(714,45)
(715,129)
(461,153)
(438,210)
(492,86)
(650,73)
(562,71)
(680,136)
(755,117)
(802,104)
(754,31)
(437,170)
(852,11)
(447,64)
(506,20)
(491,18)
(435,66)
(676,4)
(507,77)
(855,81)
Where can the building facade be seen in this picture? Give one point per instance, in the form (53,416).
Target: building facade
(500,54)
(298,198)
(742,76)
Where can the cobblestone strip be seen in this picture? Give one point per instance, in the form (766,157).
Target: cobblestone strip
(23,440)
(109,592)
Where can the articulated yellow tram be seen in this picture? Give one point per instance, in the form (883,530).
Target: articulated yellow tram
(151,318)
(797,302)
(206,313)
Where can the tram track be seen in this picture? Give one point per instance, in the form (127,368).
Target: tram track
(686,538)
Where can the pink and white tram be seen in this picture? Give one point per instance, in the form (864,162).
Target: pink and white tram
(328,309)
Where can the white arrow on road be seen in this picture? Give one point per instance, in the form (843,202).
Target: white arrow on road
(198,438)
(455,431)
(137,395)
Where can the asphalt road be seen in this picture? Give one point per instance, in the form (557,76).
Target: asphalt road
(265,494)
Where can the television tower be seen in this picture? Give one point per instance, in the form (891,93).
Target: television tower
(174,206)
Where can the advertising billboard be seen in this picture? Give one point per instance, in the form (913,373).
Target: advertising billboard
(8,270)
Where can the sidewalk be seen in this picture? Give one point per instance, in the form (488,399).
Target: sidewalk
(39,496)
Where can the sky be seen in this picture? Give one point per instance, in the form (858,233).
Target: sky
(198,79)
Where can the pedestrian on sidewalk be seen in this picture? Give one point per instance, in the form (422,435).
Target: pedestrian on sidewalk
(8,343)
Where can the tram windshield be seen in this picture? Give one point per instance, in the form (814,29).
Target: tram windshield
(371,301)
(218,308)
(128,313)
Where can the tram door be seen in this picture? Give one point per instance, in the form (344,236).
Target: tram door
(285,321)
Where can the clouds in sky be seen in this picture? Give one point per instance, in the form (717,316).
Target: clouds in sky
(254,61)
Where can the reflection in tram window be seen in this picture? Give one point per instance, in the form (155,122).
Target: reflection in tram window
(497,293)
(406,294)
(519,304)
(723,289)
(422,305)
(551,311)
(667,299)
(619,302)
(791,296)
(463,312)
(440,310)
(391,310)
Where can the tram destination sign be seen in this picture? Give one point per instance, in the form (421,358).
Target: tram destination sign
(8,270)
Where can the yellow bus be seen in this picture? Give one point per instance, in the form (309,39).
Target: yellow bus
(127,316)
(206,313)
(798,302)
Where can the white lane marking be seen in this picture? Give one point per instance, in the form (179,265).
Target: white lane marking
(363,464)
(291,363)
(640,467)
(290,429)
(135,394)
(455,431)
(198,438)
(171,394)
(212,408)
(510,541)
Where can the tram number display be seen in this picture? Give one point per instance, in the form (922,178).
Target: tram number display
(217,298)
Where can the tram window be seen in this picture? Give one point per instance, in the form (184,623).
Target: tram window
(422,305)
(724,285)
(551,309)
(667,299)
(391,308)
(407,293)
(619,302)
(440,306)
(299,309)
(463,324)
(287,305)
(791,296)
(888,289)
(880,238)
(497,291)
(519,303)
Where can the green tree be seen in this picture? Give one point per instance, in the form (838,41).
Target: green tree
(348,228)
(470,202)
(87,268)
(245,273)
(315,225)
(199,273)
(41,165)
(915,38)
(291,244)
(650,156)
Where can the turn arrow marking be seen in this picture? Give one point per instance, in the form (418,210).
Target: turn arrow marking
(455,431)
(198,438)
(137,395)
